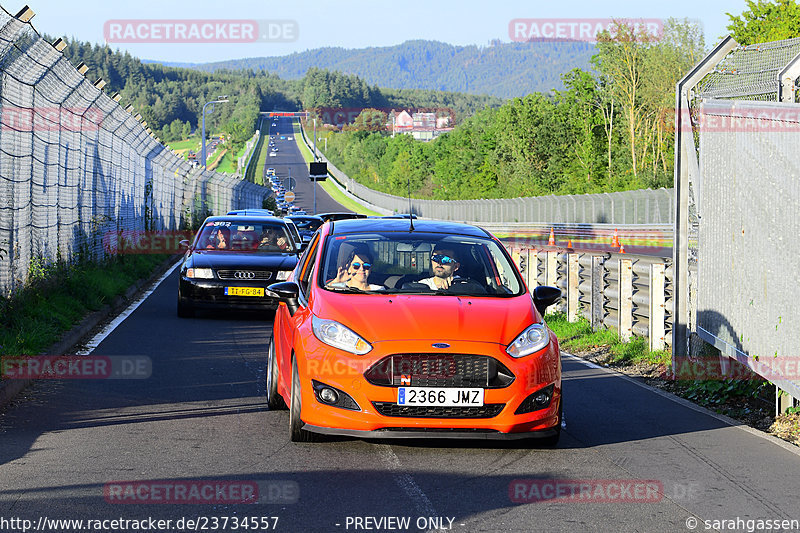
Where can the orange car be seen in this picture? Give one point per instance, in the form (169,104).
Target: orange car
(411,328)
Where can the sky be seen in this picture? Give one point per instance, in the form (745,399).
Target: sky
(308,24)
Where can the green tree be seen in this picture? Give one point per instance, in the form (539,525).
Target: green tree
(766,21)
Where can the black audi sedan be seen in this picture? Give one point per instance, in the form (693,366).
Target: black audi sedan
(231,262)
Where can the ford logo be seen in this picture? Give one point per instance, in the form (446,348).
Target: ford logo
(440,345)
(239,274)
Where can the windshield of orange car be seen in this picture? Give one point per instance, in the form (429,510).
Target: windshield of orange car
(418,264)
(244,236)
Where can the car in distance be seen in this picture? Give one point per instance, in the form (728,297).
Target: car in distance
(253,212)
(298,239)
(306,224)
(341,215)
(232,260)
(363,344)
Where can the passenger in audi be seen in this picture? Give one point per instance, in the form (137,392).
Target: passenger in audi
(221,239)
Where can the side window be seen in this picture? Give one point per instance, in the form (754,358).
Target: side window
(307,261)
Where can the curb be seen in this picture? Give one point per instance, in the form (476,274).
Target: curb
(9,389)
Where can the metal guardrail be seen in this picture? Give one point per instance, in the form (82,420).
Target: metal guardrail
(630,293)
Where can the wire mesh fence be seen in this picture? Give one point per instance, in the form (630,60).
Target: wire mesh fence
(75,165)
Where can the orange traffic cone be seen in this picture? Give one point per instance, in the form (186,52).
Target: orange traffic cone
(621,248)
(615,239)
(569,243)
(552,241)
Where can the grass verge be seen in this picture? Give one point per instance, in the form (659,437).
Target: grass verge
(579,336)
(332,190)
(61,296)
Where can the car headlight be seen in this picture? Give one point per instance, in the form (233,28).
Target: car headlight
(533,339)
(283,275)
(339,336)
(199,273)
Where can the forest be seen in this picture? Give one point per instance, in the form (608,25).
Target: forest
(609,129)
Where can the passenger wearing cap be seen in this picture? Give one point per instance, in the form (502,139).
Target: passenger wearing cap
(444,266)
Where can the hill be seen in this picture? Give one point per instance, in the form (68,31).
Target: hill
(503,70)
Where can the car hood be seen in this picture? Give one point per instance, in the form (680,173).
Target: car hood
(215,259)
(437,318)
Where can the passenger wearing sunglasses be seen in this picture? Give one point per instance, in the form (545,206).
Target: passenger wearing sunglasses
(444,266)
(354,272)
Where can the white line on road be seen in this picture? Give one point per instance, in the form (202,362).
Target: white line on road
(111,326)
(406,482)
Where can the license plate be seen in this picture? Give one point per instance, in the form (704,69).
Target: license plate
(432,396)
(244,291)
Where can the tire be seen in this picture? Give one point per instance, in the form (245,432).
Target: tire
(274,400)
(296,431)
(185,310)
(552,441)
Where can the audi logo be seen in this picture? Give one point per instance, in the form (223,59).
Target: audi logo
(244,275)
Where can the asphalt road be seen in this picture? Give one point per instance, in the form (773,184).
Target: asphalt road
(202,416)
(289,162)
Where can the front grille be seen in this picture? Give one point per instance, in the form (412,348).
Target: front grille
(244,275)
(418,411)
(439,370)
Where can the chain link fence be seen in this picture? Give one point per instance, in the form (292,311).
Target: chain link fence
(75,165)
(737,199)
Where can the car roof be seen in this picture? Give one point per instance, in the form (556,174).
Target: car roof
(339,215)
(305,217)
(360,225)
(244,218)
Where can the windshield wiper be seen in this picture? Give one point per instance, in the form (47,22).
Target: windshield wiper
(346,289)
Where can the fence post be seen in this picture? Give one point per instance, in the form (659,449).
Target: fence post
(552,269)
(532,266)
(573,279)
(597,291)
(625,326)
(657,307)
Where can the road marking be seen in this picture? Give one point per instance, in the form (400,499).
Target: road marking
(406,482)
(111,326)
(686,403)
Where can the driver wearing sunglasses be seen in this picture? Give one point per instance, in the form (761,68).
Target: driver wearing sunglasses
(444,266)
(355,271)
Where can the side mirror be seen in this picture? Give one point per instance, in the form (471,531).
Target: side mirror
(288,292)
(544,297)
(184,243)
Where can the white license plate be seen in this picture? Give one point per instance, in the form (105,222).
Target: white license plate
(432,396)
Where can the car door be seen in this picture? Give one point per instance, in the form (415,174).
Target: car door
(288,327)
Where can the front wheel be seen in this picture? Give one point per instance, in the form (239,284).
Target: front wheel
(185,310)
(296,431)
(274,400)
